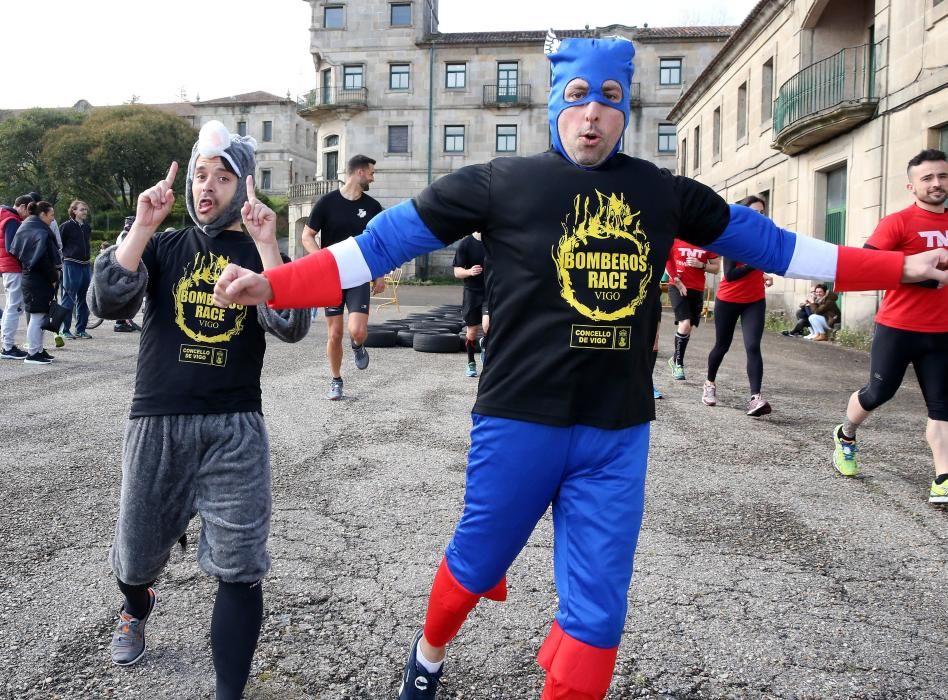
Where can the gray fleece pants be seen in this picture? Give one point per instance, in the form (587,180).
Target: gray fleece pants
(216,465)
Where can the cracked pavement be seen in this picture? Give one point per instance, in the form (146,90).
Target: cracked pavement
(760,573)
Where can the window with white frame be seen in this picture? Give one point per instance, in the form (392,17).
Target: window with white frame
(353,77)
(669,71)
(455,75)
(454,139)
(666,138)
(506,138)
(398,74)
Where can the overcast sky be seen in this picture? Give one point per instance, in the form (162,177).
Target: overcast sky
(106,51)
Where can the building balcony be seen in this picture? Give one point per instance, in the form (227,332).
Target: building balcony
(506,95)
(635,95)
(826,99)
(310,191)
(323,100)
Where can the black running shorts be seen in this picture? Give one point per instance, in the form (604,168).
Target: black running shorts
(355,299)
(472,307)
(686,308)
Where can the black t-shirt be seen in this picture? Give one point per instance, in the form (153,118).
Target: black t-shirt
(337,218)
(196,357)
(576,257)
(470,252)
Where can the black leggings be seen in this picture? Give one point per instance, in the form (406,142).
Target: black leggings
(726,314)
(892,351)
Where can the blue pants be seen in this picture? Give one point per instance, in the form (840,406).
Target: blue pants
(76,279)
(595,481)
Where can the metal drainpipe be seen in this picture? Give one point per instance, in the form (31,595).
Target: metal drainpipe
(427,257)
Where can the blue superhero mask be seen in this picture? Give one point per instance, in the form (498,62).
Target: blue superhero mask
(595,61)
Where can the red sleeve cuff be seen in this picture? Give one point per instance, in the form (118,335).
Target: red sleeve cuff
(859,269)
(310,281)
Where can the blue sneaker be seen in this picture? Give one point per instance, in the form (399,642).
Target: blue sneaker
(656,394)
(361,356)
(471,369)
(418,683)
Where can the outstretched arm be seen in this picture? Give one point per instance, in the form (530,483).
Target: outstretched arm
(444,212)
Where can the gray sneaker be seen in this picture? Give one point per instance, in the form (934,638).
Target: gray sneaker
(335,390)
(128,639)
(361,356)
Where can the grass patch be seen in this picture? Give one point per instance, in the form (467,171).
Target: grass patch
(849,338)
(432,282)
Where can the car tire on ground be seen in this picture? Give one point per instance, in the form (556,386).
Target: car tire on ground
(437,342)
(381,338)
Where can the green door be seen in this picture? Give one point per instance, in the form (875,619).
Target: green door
(836,211)
(506,82)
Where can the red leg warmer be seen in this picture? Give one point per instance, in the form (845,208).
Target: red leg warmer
(575,670)
(450,603)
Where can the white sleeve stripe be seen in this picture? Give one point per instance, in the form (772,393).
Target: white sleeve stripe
(353,270)
(812,259)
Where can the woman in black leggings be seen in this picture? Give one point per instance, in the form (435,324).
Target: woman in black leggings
(740,296)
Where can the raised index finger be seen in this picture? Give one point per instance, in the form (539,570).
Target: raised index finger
(172,173)
(250,192)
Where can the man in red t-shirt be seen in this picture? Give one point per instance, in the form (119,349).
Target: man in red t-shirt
(911,325)
(686,267)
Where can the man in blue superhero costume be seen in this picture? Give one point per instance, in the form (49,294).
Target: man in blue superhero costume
(577,238)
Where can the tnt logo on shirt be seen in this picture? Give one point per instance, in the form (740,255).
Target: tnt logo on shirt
(935,239)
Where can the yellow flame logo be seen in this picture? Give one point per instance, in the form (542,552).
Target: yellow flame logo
(612,219)
(201,276)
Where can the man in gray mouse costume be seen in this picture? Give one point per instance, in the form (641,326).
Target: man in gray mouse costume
(196,441)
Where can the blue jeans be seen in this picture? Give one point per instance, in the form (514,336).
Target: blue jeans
(76,279)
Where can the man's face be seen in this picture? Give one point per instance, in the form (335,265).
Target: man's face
(23,210)
(589,132)
(81,213)
(365,176)
(928,181)
(213,188)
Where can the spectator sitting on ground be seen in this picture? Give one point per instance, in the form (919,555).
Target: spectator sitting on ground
(824,313)
(803,317)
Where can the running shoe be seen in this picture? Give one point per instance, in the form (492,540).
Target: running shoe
(335,390)
(656,394)
(471,369)
(14,353)
(47,355)
(59,340)
(709,396)
(417,682)
(361,356)
(84,336)
(939,492)
(757,406)
(36,359)
(128,639)
(678,371)
(844,456)
(67,335)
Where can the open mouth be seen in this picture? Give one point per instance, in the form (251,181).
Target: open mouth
(205,204)
(590,139)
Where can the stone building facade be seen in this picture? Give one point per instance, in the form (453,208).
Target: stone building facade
(818,105)
(424,103)
(285,140)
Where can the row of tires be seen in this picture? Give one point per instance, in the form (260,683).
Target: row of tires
(438,330)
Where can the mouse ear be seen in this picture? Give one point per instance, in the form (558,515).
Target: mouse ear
(213,139)
(551,44)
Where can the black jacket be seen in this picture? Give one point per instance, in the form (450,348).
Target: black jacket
(34,245)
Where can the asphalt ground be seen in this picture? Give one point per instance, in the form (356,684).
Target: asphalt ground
(760,572)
